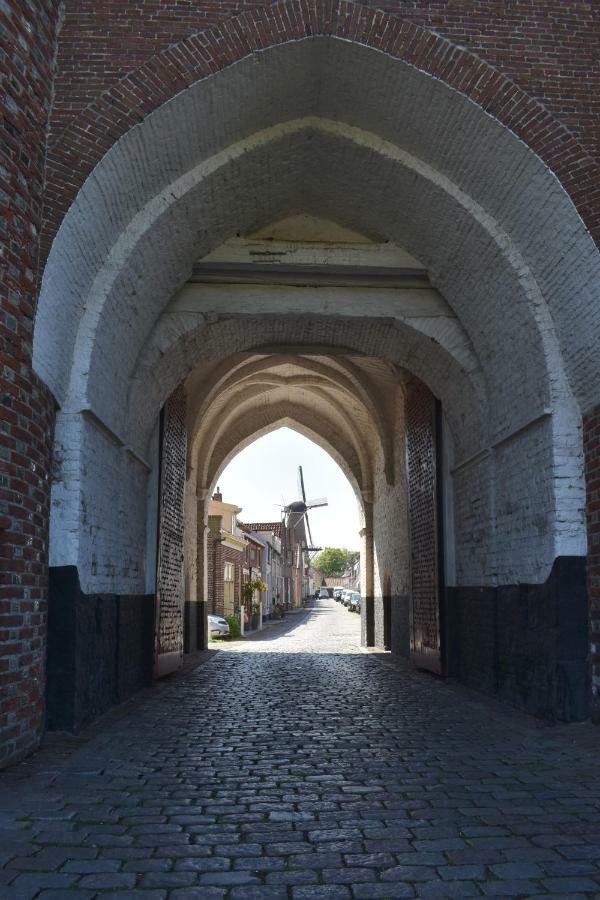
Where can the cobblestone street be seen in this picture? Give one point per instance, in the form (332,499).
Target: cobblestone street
(294,765)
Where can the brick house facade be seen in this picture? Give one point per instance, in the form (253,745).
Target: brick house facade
(293,540)
(226,559)
(253,569)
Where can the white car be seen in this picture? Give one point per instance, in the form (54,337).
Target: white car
(217,626)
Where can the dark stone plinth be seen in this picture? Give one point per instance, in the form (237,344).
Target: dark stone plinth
(367,622)
(100,649)
(401,624)
(526,643)
(195,631)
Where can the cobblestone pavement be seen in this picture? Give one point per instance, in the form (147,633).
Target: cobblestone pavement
(296,766)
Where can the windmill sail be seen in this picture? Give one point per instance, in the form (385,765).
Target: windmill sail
(310,540)
(301,490)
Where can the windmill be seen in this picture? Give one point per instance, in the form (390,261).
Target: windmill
(299,510)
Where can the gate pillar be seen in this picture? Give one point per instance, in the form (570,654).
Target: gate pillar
(170,575)
(423,448)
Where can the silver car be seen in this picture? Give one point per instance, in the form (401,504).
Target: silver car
(217,627)
(345,598)
(354,603)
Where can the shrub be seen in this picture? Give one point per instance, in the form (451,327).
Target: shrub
(251,586)
(235,629)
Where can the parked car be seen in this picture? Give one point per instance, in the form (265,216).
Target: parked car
(337,594)
(354,602)
(323,593)
(217,627)
(345,598)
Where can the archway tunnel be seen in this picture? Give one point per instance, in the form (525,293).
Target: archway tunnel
(324,258)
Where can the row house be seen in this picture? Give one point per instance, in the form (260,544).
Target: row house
(226,557)
(239,552)
(272,567)
(272,535)
(315,578)
(286,540)
(253,569)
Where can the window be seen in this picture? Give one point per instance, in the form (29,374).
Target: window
(228,593)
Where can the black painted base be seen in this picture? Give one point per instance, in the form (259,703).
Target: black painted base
(401,625)
(367,622)
(527,644)
(100,650)
(195,632)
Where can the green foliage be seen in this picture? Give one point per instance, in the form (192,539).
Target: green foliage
(334,562)
(235,629)
(256,585)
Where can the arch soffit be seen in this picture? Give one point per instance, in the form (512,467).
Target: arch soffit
(507,243)
(242,418)
(304,426)
(445,332)
(338,409)
(107,278)
(205,53)
(231,343)
(348,380)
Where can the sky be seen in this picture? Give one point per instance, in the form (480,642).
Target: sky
(265,475)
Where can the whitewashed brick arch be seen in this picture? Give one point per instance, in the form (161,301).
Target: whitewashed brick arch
(365,140)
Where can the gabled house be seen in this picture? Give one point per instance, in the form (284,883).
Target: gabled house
(226,556)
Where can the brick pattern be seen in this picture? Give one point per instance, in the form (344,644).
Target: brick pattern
(422,510)
(591,441)
(216,557)
(169,578)
(144,56)
(27,33)
(515,41)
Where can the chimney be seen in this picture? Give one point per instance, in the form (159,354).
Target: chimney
(218,495)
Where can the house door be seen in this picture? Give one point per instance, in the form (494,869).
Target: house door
(423,447)
(228,589)
(169,574)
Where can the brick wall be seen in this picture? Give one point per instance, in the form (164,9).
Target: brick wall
(515,39)
(390,537)
(169,579)
(100,650)
(214,567)
(216,557)
(423,483)
(146,52)
(27,33)
(591,440)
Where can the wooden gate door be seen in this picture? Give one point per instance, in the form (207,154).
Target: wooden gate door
(423,445)
(169,575)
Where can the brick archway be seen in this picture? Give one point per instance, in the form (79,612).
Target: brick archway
(123,282)
(75,150)
(546,265)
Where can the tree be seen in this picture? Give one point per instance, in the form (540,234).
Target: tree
(333,562)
